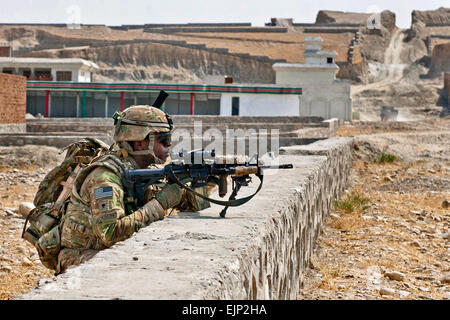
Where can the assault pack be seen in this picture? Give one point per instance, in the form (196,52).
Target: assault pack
(52,197)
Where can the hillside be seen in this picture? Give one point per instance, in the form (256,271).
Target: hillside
(151,54)
(387,66)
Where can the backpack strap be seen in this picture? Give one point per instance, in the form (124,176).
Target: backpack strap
(109,161)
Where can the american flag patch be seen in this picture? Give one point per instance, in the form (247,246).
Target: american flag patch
(106,192)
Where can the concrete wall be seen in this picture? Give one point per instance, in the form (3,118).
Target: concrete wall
(12,103)
(260,251)
(327,101)
(322,95)
(81,76)
(261,105)
(314,77)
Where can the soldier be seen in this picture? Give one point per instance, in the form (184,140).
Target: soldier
(97,216)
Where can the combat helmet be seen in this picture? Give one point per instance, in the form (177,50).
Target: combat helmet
(138,123)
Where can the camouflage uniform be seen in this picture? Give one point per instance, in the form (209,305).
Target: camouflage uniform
(96,217)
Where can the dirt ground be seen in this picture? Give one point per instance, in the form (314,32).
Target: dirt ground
(21,170)
(400,231)
(388,237)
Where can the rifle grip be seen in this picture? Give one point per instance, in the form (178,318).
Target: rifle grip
(223,187)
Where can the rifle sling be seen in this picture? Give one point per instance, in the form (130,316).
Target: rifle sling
(229,203)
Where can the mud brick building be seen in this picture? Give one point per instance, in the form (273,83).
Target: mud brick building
(13,96)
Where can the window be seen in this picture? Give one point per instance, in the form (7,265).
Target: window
(235,106)
(8,70)
(329,60)
(43,74)
(63,75)
(26,73)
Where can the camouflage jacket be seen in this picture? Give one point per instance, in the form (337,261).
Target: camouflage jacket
(95,216)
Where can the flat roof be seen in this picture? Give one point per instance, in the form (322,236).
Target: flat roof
(297,66)
(13,61)
(169,87)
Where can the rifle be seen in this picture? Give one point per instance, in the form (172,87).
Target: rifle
(209,169)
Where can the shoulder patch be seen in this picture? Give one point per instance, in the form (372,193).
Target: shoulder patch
(105,192)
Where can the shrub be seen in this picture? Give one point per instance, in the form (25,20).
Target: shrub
(386,157)
(352,203)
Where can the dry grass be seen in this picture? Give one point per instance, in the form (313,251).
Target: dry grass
(374,228)
(350,208)
(330,272)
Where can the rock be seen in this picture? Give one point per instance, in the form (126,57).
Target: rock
(445,204)
(329,16)
(387,291)
(22,250)
(440,15)
(5,268)
(395,275)
(416,243)
(407,285)
(404,293)
(44,281)
(445,235)
(26,262)
(445,279)
(388,19)
(423,289)
(9,213)
(335,215)
(25,208)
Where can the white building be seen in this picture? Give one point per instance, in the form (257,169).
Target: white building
(250,104)
(322,94)
(48,69)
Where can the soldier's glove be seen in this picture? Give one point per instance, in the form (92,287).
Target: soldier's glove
(171,195)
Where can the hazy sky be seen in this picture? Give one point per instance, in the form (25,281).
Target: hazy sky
(117,12)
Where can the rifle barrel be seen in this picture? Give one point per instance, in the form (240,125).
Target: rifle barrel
(281,166)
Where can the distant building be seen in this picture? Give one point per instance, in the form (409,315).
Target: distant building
(61,99)
(49,69)
(323,95)
(308,89)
